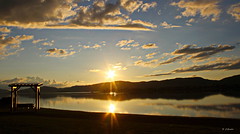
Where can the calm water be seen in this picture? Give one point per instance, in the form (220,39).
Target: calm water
(211,106)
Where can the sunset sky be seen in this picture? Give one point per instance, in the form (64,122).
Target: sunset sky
(75,42)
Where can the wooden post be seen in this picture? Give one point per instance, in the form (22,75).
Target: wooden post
(15,99)
(12,98)
(38,97)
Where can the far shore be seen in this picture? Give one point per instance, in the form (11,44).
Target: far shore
(52,121)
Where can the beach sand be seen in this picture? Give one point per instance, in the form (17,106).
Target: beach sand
(50,121)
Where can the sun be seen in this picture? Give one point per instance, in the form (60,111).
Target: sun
(111,74)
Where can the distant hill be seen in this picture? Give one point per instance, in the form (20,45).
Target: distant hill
(3,91)
(196,87)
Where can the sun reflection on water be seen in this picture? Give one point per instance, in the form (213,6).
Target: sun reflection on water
(111,108)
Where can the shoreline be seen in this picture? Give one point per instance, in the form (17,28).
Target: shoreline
(48,121)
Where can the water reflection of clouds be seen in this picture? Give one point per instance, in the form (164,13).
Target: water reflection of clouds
(213,107)
(210,106)
(223,107)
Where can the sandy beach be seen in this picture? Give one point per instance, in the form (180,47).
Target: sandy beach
(50,121)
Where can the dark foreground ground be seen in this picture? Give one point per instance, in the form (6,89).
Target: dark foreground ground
(49,121)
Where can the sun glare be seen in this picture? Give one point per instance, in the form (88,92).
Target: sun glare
(111,74)
(112,108)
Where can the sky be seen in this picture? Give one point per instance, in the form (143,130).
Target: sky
(75,42)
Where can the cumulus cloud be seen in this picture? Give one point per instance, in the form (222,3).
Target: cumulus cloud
(124,43)
(178,17)
(131,5)
(71,14)
(150,55)
(32,13)
(185,53)
(118,66)
(127,44)
(47,43)
(55,52)
(100,13)
(205,8)
(234,10)
(202,52)
(151,64)
(96,46)
(38,40)
(136,57)
(126,48)
(149,46)
(94,70)
(109,15)
(168,26)
(144,23)
(52,83)
(5,30)
(11,45)
(171,60)
(218,65)
(147,6)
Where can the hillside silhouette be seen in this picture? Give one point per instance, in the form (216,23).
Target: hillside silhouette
(178,88)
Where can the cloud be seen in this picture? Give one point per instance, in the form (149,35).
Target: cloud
(54,52)
(192,52)
(151,64)
(205,8)
(47,43)
(191,20)
(147,6)
(234,10)
(11,45)
(149,46)
(124,43)
(119,67)
(96,46)
(131,5)
(39,40)
(202,52)
(178,17)
(185,53)
(52,83)
(95,70)
(144,23)
(150,55)
(34,13)
(218,65)
(126,48)
(99,14)
(127,44)
(136,57)
(24,37)
(171,60)
(68,14)
(103,15)
(167,26)
(5,30)
(226,65)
